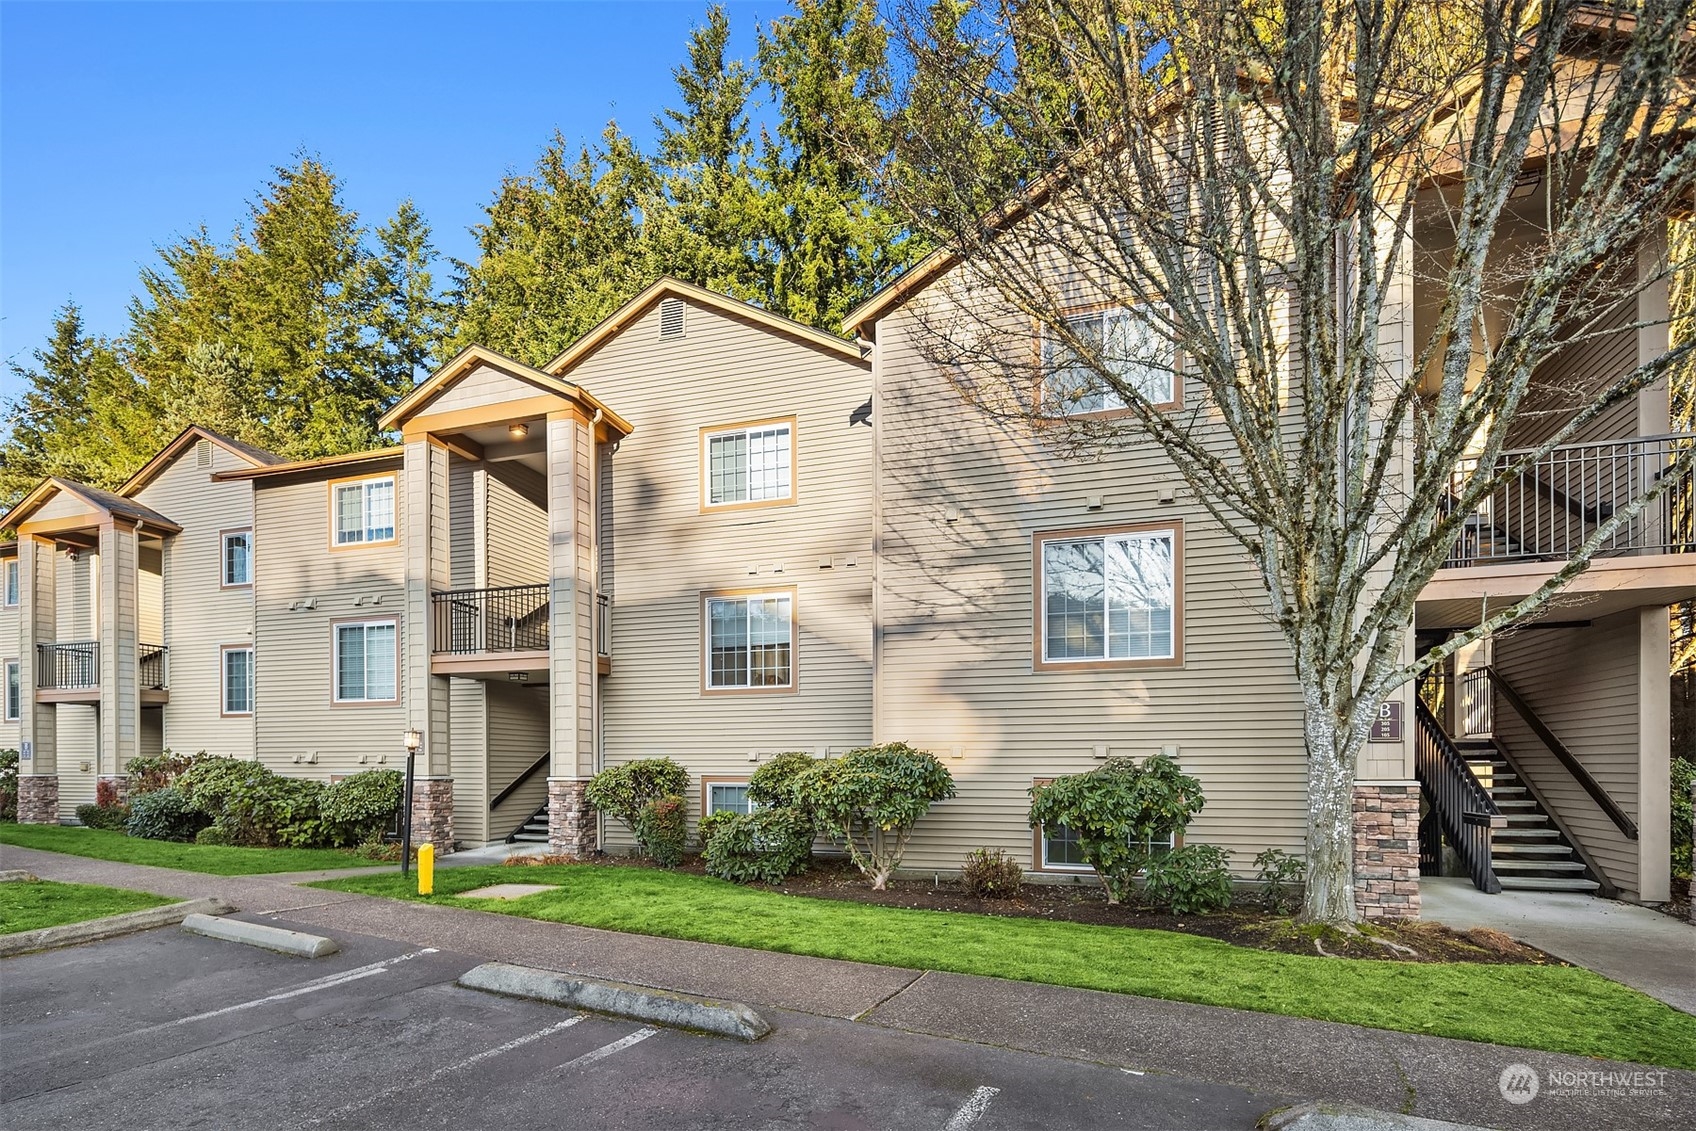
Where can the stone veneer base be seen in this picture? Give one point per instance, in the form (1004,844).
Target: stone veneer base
(432,813)
(1386,851)
(572,830)
(38,799)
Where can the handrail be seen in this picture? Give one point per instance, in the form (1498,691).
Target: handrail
(1564,756)
(512,787)
(68,666)
(1572,506)
(1468,813)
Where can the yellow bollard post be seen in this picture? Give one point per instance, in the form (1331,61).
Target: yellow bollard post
(426,868)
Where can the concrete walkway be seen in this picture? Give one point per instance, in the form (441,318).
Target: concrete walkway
(1644,949)
(1435,1077)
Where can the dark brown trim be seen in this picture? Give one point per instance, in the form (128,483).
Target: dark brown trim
(1039,611)
(222,534)
(223,678)
(710,431)
(710,780)
(705,642)
(335,661)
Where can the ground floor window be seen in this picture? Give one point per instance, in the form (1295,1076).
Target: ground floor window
(238,680)
(1058,848)
(725,797)
(14,692)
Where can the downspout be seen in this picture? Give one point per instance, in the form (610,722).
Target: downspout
(599,760)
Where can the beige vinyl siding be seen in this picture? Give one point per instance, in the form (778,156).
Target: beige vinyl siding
(9,638)
(481,387)
(295,712)
(1575,374)
(467,759)
(517,537)
(729,371)
(465,483)
(63,504)
(198,616)
(150,596)
(956,622)
(517,736)
(1583,684)
(78,737)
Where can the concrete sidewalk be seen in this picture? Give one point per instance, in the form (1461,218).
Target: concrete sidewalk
(1644,949)
(1429,1076)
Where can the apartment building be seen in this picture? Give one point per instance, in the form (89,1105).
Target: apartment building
(710,533)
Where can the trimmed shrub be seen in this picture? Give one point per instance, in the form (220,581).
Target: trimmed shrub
(165,814)
(662,828)
(255,806)
(212,834)
(711,823)
(759,847)
(104,816)
(1279,877)
(869,799)
(1190,879)
(149,774)
(774,782)
(360,806)
(622,791)
(1120,812)
(106,793)
(989,873)
(8,785)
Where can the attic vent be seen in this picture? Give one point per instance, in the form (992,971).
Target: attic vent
(203,454)
(671,318)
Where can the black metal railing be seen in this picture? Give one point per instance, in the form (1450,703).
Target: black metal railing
(603,626)
(1517,704)
(67,667)
(509,618)
(1549,510)
(1476,717)
(1464,808)
(518,782)
(151,669)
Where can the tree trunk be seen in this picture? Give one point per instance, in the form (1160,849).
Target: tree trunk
(1329,897)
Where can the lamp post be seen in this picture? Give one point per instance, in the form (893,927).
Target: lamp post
(414,740)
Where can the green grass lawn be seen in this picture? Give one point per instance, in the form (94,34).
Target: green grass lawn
(210,858)
(1562,1009)
(27,905)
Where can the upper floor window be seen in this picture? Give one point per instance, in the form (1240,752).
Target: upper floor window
(238,680)
(1128,344)
(237,558)
(365,662)
(363,511)
(12,582)
(14,692)
(750,642)
(748,464)
(1109,597)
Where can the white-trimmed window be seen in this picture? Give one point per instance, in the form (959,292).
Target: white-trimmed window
(365,662)
(364,511)
(13,580)
(1109,597)
(238,680)
(747,464)
(1129,345)
(750,641)
(14,692)
(727,797)
(236,555)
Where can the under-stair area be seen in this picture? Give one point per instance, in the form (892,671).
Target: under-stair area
(1528,853)
(534,830)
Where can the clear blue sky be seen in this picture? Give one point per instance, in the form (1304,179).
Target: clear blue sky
(125,125)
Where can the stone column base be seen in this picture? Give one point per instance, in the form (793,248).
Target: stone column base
(432,813)
(572,830)
(38,799)
(1386,851)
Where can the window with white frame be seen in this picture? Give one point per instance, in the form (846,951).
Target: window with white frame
(728,797)
(750,464)
(364,511)
(1125,341)
(13,580)
(238,681)
(237,554)
(750,641)
(365,662)
(14,692)
(1109,597)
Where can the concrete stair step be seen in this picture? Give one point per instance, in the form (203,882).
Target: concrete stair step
(1521,865)
(1521,833)
(1521,820)
(1528,848)
(1530,883)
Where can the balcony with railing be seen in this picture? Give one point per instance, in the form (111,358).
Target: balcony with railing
(1547,511)
(69,672)
(504,619)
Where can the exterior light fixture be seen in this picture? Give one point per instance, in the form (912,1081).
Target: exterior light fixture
(414,741)
(518,430)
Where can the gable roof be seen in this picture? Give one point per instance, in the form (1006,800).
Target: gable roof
(187,438)
(292,467)
(104,501)
(474,356)
(666,286)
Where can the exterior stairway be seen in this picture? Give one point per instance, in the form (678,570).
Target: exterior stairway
(1530,854)
(534,830)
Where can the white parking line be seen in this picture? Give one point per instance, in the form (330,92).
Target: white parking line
(411,1085)
(607,1050)
(972,1110)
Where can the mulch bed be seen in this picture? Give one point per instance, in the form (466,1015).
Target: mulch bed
(1087,903)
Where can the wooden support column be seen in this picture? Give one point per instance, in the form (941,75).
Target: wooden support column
(571,662)
(424,528)
(120,686)
(1654,756)
(38,619)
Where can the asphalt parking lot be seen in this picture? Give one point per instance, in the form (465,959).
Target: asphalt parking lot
(171,1030)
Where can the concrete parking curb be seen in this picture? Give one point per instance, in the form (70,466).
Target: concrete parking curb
(92,930)
(641,1003)
(258,934)
(1349,1117)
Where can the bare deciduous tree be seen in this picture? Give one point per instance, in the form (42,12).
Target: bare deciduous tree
(1239,187)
